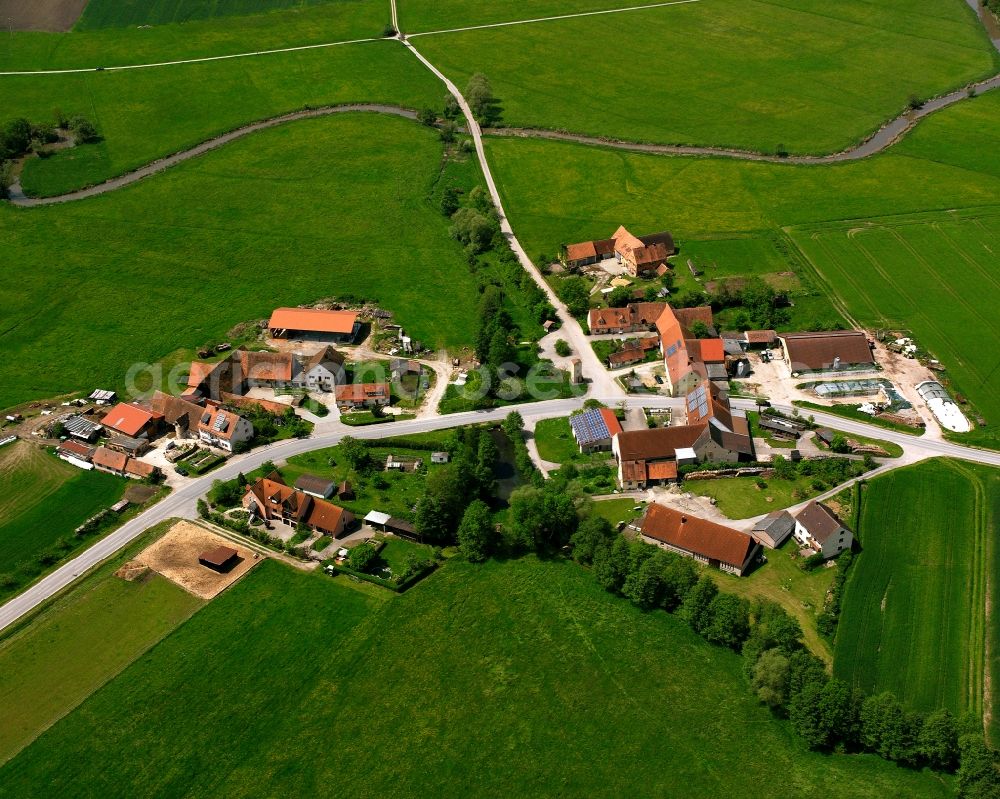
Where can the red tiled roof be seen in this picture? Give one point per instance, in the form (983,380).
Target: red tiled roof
(77,450)
(760,336)
(581,252)
(109,459)
(662,470)
(712,350)
(359,392)
(266,365)
(696,535)
(199,372)
(129,419)
(139,469)
(660,443)
(313,320)
(611,421)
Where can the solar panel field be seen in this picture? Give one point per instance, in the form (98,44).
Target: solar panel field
(934,275)
(914,615)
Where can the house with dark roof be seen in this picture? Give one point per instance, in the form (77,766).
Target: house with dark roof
(833,350)
(322,371)
(652,457)
(314,486)
(818,528)
(594,428)
(272,500)
(707,542)
(220,559)
(773,530)
(223,428)
(81,428)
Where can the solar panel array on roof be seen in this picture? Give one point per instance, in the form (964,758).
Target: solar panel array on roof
(221,423)
(698,402)
(206,417)
(589,426)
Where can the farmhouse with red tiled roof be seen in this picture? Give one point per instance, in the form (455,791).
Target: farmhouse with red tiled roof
(705,541)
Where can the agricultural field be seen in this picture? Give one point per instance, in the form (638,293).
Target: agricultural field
(145,114)
(105,622)
(912,618)
(89,46)
(797,76)
(300,209)
(44,500)
(492,675)
(942,181)
(434,15)
(935,276)
(128,13)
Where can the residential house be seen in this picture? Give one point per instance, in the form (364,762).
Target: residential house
(818,528)
(223,428)
(314,486)
(774,529)
(688,359)
(694,537)
(401,367)
(272,500)
(303,323)
(636,317)
(362,395)
(594,428)
(640,255)
(179,413)
(323,371)
(133,420)
(827,351)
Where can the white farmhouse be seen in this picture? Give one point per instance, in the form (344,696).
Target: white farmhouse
(817,527)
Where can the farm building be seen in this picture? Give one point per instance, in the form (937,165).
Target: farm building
(640,255)
(77,454)
(267,369)
(132,420)
(345,491)
(633,352)
(782,428)
(943,406)
(636,317)
(270,499)
(705,541)
(363,395)
(102,396)
(760,339)
(220,559)
(594,429)
(648,457)
(774,529)
(390,524)
(687,359)
(818,528)
(133,447)
(83,429)
(833,350)
(140,470)
(314,486)
(109,461)
(313,323)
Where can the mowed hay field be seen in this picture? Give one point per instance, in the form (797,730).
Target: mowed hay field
(913,617)
(318,208)
(945,176)
(936,276)
(502,678)
(145,114)
(104,623)
(43,499)
(433,15)
(87,47)
(125,13)
(801,76)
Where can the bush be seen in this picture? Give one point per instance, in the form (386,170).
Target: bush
(83,130)
(563,348)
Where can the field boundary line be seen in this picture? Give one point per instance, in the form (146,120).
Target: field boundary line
(200,60)
(551,19)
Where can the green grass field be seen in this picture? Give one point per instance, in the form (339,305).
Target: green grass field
(935,276)
(770,75)
(105,623)
(290,215)
(87,46)
(947,171)
(285,660)
(432,15)
(555,442)
(143,115)
(912,618)
(126,13)
(45,499)
(740,498)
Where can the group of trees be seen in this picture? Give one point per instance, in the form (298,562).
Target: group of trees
(18,136)
(450,489)
(575,292)
(757,305)
(479,94)
(268,427)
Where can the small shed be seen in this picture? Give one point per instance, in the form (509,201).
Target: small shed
(377,519)
(345,490)
(440,457)
(774,529)
(402,528)
(825,434)
(221,559)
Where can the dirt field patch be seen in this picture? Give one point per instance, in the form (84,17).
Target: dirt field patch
(139,493)
(175,556)
(40,15)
